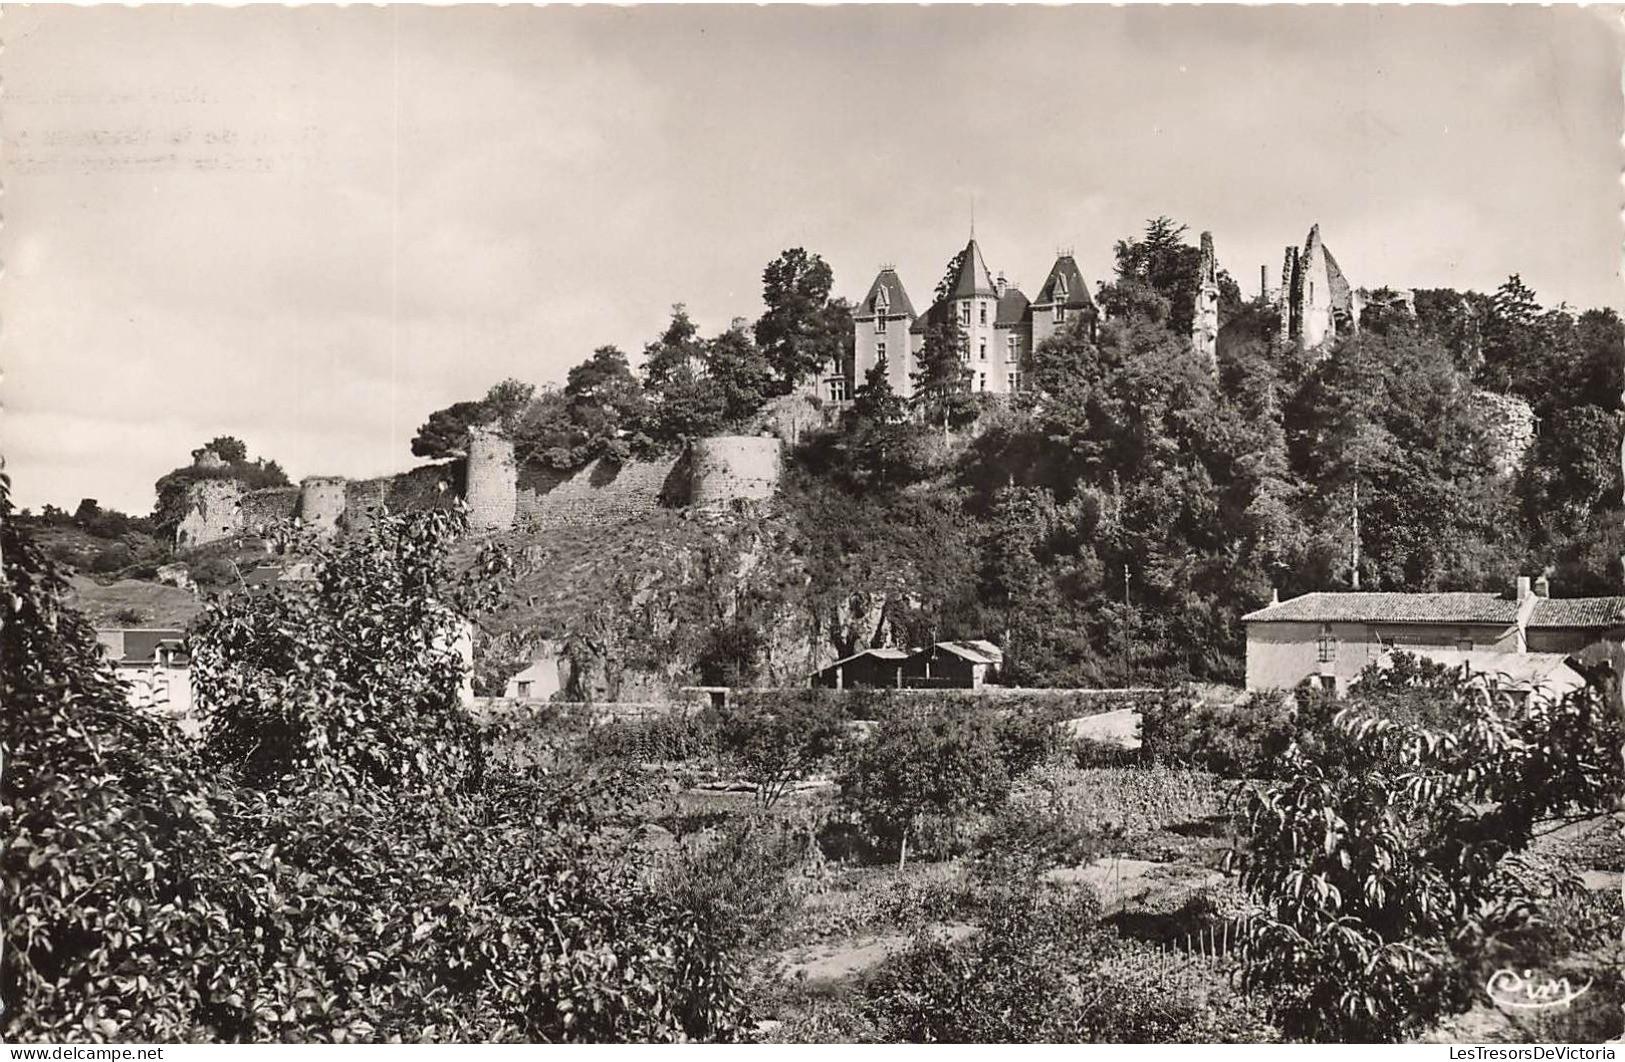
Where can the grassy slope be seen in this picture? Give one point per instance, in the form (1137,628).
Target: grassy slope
(158,605)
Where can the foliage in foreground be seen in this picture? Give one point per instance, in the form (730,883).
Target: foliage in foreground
(1388,858)
(346,864)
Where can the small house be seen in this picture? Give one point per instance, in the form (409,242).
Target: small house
(538,682)
(954,665)
(153,664)
(871,668)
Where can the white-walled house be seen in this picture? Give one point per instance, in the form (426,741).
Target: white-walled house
(1329,638)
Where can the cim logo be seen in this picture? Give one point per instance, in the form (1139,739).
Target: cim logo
(1532,990)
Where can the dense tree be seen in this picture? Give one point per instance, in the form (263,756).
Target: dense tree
(445,433)
(803,332)
(942,377)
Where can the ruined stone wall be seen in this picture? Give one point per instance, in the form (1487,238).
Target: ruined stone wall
(1511,425)
(1205,321)
(491,484)
(729,468)
(321,503)
(269,505)
(602,494)
(213,512)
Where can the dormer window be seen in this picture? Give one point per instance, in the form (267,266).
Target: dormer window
(882,304)
(1060,287)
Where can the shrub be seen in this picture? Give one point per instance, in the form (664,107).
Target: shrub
(1384,860)
(919,763)
(1011,982)
(776,738)
(1243,739)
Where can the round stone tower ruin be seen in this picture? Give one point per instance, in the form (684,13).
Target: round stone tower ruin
(730,468)
(492,481)
(321,503)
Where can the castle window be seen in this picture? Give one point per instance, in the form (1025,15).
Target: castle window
(836,386)
(964,313)
(524,689)
(880,322)
(984,312)
(1012,381)
(981,348)
(1060,314)
(880,352)
(1010,348)
(981,381)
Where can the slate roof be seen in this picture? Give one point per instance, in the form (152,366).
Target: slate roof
(973,279)
(1453,607)
(139,646)
(1578,612)
(935,313)
(1013,308)
(972,651)
(879,654)
(1077,292)
(897,300)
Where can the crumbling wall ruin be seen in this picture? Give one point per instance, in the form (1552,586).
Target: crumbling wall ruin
(213,512)
(1205,322)
(603,493)
(1510,423)
(267,506)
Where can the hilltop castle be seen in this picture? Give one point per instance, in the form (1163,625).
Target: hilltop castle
(1000,324)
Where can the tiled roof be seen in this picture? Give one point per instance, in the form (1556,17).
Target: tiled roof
(1013,308)
(140,645)
(973,279)
(936,313)
(897,302)
(1077,292)
(1454,607)
(878,654)
(1578,612)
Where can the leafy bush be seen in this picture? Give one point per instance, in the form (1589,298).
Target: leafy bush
(1386,859)
(362,870)
(1243,739)
(1011,982)
(778,738)
(920,763)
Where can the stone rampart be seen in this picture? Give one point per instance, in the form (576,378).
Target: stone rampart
(1510,423)
(269,505)
(733,468)
(605,493)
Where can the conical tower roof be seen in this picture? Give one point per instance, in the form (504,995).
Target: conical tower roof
(973,278)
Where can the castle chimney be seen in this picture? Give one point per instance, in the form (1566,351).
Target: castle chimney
(1543,587)
(1264,283)
(1275,596)
(998,284)
(1523,587)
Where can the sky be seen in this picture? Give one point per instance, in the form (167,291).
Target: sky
(311,227)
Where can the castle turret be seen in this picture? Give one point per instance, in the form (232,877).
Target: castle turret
(492,482)
(880,325)
(321,503)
